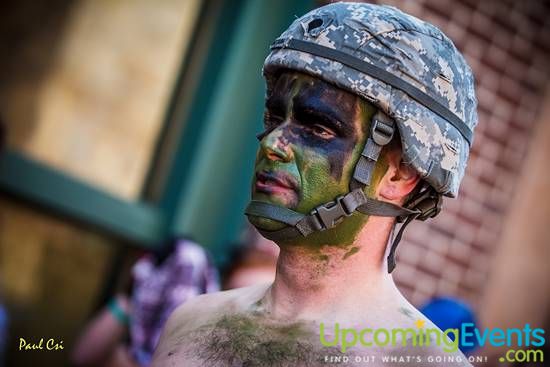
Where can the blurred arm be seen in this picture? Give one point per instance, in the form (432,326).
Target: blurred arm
(102,335)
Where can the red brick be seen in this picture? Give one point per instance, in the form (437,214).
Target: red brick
(510,161)
(453,273)
(440,8)
(461,15)
(412,7)
(445,226)
(524,26)
(445,287)
(474,47)
(491,226)
(484,169)
(475,189)
(426,283)
(469,5)
(487,8)
(503,108)
(524,117)
(481,23)
(490,149)
(416,232)
(480,262)
(410,253)
(459,252)
(435,18)
(521,48)
(542,39)
(489,80)
(405,274)
(497,200)
(509,89)
(457,34)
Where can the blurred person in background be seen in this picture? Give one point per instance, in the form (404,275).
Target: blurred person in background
(357,133)
(126,331)
(253,262)
(451,313)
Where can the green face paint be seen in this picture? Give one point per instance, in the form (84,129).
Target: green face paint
(316,133)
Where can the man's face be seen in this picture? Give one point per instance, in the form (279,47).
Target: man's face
(316,135)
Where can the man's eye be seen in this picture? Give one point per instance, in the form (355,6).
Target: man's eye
(322,131)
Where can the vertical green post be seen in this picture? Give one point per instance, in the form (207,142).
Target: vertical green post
(210,205)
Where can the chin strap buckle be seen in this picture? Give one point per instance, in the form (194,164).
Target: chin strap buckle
(330,214)
(382,128)
(427,202)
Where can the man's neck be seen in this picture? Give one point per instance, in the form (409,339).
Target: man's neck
(312,284)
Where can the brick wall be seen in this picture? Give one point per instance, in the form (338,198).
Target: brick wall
(507,44)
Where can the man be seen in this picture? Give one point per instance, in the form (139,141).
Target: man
(369,116)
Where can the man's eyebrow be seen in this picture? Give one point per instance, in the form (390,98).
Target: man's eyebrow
(275,103)
(317,106)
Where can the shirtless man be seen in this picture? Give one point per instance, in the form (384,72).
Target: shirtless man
(369,118)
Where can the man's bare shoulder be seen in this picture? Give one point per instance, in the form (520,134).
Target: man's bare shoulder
(204,308)
(419,341)
(200,312)
(433,346)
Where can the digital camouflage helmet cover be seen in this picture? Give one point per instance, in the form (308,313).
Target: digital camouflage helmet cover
(420,84)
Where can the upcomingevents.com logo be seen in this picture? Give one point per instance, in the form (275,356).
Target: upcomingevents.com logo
(450,340)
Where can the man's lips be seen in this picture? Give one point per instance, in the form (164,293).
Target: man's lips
(272,182)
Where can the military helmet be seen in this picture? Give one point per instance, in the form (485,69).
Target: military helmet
(406,67)
(412,73)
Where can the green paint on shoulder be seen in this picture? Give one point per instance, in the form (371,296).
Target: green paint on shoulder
(352,251)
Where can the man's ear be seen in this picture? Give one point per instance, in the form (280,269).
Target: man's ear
(399,179)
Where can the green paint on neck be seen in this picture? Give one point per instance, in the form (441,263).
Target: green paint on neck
(352,251)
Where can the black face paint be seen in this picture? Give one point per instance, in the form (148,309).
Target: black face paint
(311,106)
(323,104)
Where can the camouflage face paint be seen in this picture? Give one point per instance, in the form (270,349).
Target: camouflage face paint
(316,133)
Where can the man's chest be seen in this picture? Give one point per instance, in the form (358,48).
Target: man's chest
(248,341)
(236,341)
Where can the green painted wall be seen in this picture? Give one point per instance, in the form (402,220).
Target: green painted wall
(211,205)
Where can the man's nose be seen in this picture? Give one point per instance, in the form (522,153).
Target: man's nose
(275,144)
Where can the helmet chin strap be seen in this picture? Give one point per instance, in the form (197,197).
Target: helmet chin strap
(328,215)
